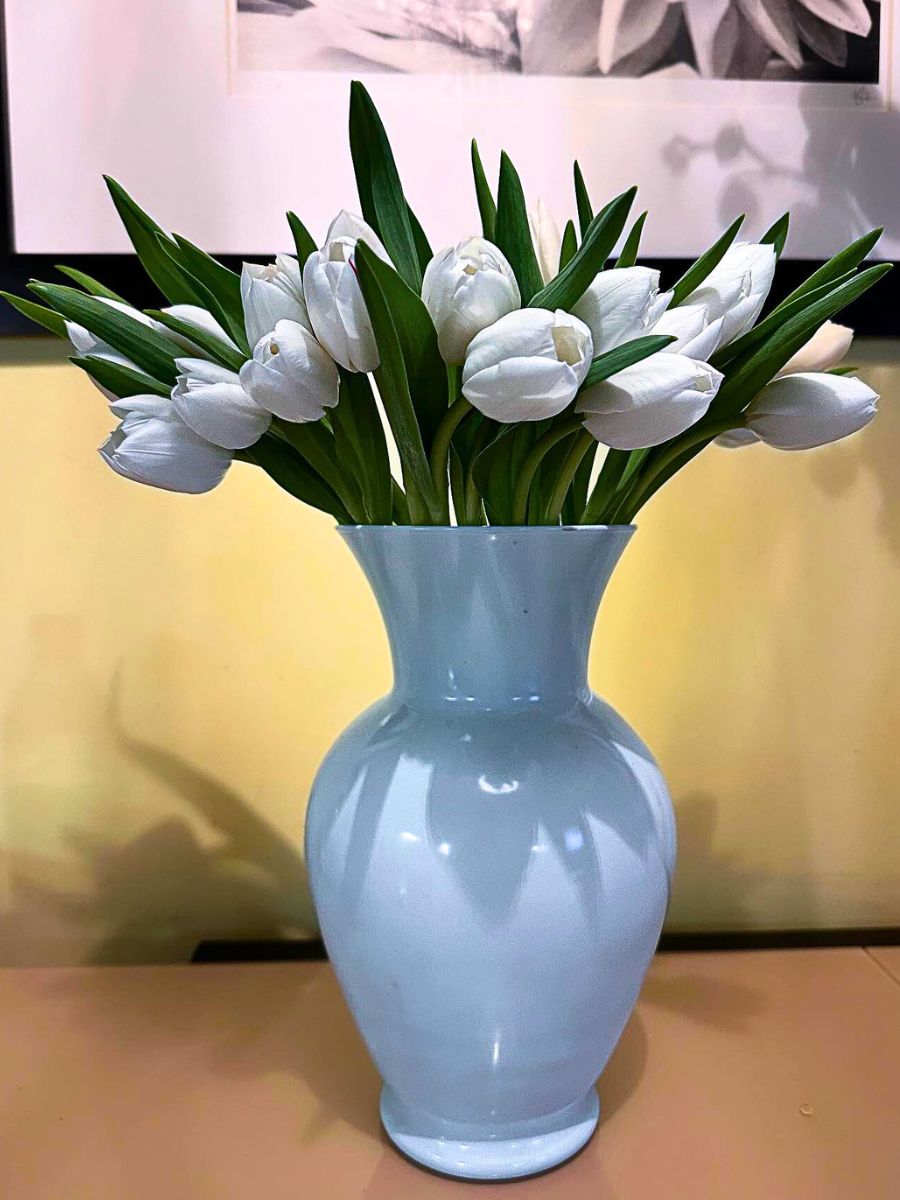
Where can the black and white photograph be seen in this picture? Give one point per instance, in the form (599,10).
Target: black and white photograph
(821,41)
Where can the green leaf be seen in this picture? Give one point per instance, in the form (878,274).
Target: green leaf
(496,469)
(121,381)
(210,301)
(315,442)
(425,369)
(146,348)
(570,284)
(486,206)
(614,466)
(400,506)
(423,247)
(469,439)
(360,441)
(777,235)
(569,246)
(290,471)
(582,202)
(513,233)
(626,355)
(145,234)
(774,321)
(217,281)
(394,389)
(577,498)
(213,347)
(756,368)
(303,239)
(546,478)
(846,260)
(629,254)
(90,284)
(705,264)
(45,317)
(381,194)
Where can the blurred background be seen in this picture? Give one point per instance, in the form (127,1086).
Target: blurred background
(173,668)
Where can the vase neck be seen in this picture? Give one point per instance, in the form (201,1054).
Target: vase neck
(497,618)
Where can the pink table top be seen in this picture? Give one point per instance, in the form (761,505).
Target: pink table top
(771,1075)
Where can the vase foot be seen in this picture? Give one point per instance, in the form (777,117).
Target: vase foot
(508,1153)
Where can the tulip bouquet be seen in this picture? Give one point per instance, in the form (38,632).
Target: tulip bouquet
(497,366)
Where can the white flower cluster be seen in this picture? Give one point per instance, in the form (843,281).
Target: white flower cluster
(517,364)
(300,322)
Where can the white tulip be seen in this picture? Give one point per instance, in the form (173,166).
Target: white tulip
(153,446)
(694,335)
(736,438)
(621,304)
(824,350)
(546,240)
(801,411)
(337,311)
(290,374)
(466,288)
(528,365)
(210,400)
(735,291)
(650,402)
(193,314)
(270,294)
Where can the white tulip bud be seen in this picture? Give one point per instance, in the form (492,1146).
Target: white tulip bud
(736,290)
(466,288)
(649,402)
(153,446)
(528,365)
(694,335)
(824,350)
(337,311)
(270,294)
(290,374)
(210,400)
(193,314)
(546,240)
(621,304)
(799,412)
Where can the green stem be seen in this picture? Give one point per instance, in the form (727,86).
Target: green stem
(605,488)
(583,442)
(533,461)
(440,447)
(400,504)
(473,503)
(643,489)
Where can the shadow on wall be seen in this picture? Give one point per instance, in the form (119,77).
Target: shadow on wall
(84,876)
(708,880)
(850,182)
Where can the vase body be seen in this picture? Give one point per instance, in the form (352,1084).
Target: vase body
(490,847)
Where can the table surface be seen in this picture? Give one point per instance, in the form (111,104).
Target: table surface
(770,1075)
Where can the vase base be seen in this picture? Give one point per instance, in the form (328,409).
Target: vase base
(527,1148)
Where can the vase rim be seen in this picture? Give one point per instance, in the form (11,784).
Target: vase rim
(482,530)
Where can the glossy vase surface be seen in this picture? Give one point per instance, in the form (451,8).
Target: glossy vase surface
(490,847)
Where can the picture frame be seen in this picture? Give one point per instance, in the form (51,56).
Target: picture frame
(220,152)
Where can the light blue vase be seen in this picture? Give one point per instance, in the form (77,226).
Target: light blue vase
(490,847)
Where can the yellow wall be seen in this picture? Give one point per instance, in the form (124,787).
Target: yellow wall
(173,668)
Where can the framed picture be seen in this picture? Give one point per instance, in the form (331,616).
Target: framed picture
(218,115)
